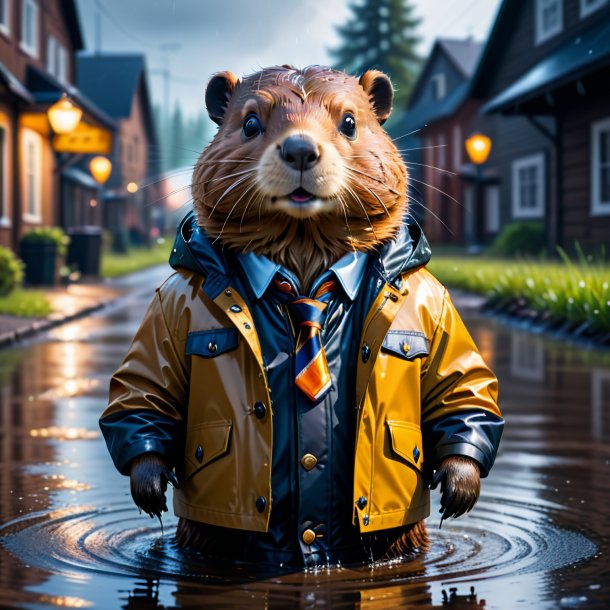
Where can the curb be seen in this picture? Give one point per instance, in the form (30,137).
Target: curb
(9,339)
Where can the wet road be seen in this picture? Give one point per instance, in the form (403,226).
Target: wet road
(71,537)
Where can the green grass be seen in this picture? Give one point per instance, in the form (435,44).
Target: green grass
(25,304)
(136,259)
(577,292)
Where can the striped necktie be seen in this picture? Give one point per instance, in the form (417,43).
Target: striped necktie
(312,376)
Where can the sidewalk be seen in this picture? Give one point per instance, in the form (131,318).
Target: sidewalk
(78,300)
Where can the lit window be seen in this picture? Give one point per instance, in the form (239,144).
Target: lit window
(528,190)
(590,6)
(549,19)
(5,27)
(600,167)
(439,86)
(29,27)
(32,149)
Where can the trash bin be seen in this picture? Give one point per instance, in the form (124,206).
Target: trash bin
(85,249)
(40,260)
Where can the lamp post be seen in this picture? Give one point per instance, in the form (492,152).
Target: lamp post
(478,147)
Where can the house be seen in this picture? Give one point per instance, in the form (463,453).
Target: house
(545,78)
(38,42)
(118,84)
(440,112)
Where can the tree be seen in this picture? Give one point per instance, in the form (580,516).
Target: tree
(381,34)
(177,138)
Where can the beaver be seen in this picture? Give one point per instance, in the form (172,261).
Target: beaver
(302,172)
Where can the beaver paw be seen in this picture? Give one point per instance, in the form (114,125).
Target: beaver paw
(460,480)
(149,476)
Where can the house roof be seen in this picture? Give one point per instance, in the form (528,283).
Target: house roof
(463,54)
(14,85)
(585,53)
(112,81)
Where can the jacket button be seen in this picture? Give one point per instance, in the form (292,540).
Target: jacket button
(260,410)
(361,502)
(308,461)
(212,347)
(309,536)
(228,292)
(366,352)
(416,454)
(199,454)
(235,308)
(261,504)
(365,520)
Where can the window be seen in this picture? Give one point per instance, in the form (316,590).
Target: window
(29,27)
(590,6)
(441,151)
(492,209)
(57,60)
(5,27)
(528,191)
(439,86)
(32,149)
(600,167)
(548,18)
(4,212)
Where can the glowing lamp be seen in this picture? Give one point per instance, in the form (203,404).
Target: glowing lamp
(478,147)
(132,187)
(64,116)
(100,168)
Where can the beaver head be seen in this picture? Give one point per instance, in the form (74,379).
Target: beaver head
(300,169)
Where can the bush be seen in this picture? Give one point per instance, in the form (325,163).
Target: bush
(48,235)
(520,238)
(11,271)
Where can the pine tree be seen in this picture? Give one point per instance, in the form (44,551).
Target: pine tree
(177,146)
(381,34)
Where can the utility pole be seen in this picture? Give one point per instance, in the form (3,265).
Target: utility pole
(98,28)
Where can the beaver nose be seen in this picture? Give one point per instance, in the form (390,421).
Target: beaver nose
(300,152)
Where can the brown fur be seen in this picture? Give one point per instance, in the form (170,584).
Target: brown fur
(237,182)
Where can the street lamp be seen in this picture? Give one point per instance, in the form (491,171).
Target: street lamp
(64,116)
(478,147)
(100,168)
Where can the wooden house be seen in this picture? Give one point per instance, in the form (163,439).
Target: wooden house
(440,113)
(38,42)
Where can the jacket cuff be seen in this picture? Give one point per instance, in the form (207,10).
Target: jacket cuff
(128,453)
(463,450)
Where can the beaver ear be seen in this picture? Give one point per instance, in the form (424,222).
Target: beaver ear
(218,93)
(378,87)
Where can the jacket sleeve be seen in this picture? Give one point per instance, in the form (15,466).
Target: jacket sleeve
(148,394)
(460,413)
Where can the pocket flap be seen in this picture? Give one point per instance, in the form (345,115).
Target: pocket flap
(206,442)
(211,343)
(406,441)
(406,344)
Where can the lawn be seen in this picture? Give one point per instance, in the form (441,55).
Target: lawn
(25,303)
(114,264)
(575,292)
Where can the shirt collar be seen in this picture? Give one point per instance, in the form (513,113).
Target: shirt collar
(260,271)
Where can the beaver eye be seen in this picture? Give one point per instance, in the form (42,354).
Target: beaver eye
(348,126)
(252,126)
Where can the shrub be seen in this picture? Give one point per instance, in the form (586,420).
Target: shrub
(11,271)
(48,235)
(520,238)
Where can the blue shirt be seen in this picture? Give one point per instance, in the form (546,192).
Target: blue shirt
(317,498)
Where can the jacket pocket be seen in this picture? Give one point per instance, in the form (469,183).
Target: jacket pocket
(205,443)
(406,442)
(406,344)
(211,343)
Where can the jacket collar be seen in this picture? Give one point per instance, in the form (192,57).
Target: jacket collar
(349,271)
(193,250)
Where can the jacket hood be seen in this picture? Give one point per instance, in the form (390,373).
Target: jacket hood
(193,250)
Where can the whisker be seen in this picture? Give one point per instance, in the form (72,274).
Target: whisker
(407,134)
(361,173)
(232,186)
(422,147)
(440,169)
(363,209)
(438,190)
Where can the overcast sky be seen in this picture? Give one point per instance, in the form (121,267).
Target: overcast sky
(205,36)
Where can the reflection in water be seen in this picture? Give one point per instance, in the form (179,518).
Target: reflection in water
(538,537)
